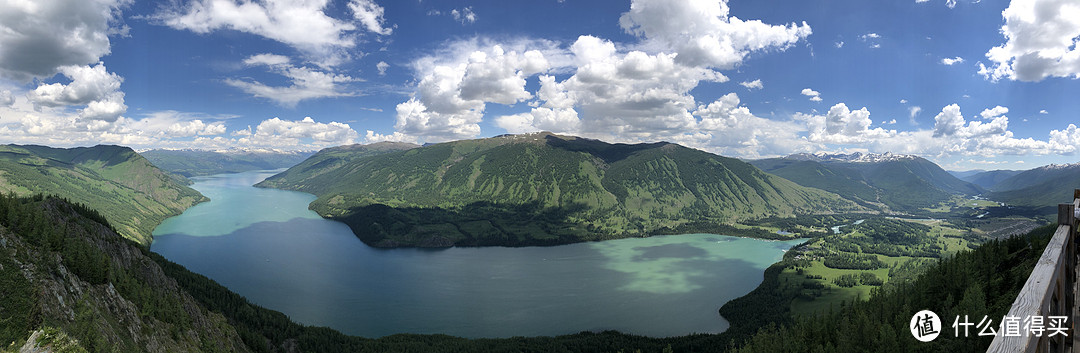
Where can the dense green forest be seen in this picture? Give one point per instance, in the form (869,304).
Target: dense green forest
(541,189)
(984,281)
(64,270)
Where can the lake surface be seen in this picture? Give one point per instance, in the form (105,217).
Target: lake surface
(267,246)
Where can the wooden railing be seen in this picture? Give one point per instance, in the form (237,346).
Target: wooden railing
(1049,290)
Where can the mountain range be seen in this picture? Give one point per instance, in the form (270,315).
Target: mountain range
(987,179)
(903,183)
(191,163)
(127,189)
(540,189)
(1044,187)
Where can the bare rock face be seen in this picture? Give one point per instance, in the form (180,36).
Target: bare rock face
(31,345)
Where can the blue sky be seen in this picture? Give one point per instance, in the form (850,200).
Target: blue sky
(968,84)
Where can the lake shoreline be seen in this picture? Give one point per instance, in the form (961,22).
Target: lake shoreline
(268,246)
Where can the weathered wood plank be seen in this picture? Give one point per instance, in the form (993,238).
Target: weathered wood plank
(1066,215)
(1034,299)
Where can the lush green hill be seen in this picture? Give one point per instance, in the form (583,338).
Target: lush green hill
(191,163)
(1040,187)
(900,182)
(543,189)
(989,179)
(134,195)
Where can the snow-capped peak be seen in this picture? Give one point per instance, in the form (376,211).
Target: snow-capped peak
(1060,166)
(857,157)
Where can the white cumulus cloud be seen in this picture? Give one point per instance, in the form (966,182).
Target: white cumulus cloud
(990,113)
(304,25)
(841,125)
(6,98)
(91,87)
(952,61)
(704,33)
(306,83)
(370,15)
(755,84)
(39,37)
(814,95)
(455,87)
(276,133)
(1040,42)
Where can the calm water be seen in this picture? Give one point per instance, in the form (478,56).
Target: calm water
(266,245)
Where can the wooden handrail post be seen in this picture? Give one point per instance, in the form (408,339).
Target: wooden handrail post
(1048,291)
(1066,217)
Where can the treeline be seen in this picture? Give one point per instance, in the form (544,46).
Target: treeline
(865,278)
(849,261)
(74,239)
(24,216)
(984,281)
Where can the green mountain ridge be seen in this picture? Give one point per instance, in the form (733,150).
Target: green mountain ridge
(333,157)
(990,179)
(191,163)
(1042,187)
(541,189)
(133,194)
(888,182)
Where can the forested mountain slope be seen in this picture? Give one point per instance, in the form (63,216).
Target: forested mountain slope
(1045,186)
(989,179)
(899,182)
(133,194)
(64,270)
(543,189)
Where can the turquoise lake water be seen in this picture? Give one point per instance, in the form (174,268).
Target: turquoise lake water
(267,246)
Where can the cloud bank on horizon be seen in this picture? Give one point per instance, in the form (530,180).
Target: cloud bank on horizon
(737,78)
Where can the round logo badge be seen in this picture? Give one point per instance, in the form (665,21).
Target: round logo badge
(925,326)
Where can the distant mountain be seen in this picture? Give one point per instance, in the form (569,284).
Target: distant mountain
(900,182)
(962,175)
(857,157)
(133,194)
(1039,187)
(191,163)
(330,159)
(541,189)
(989,179)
